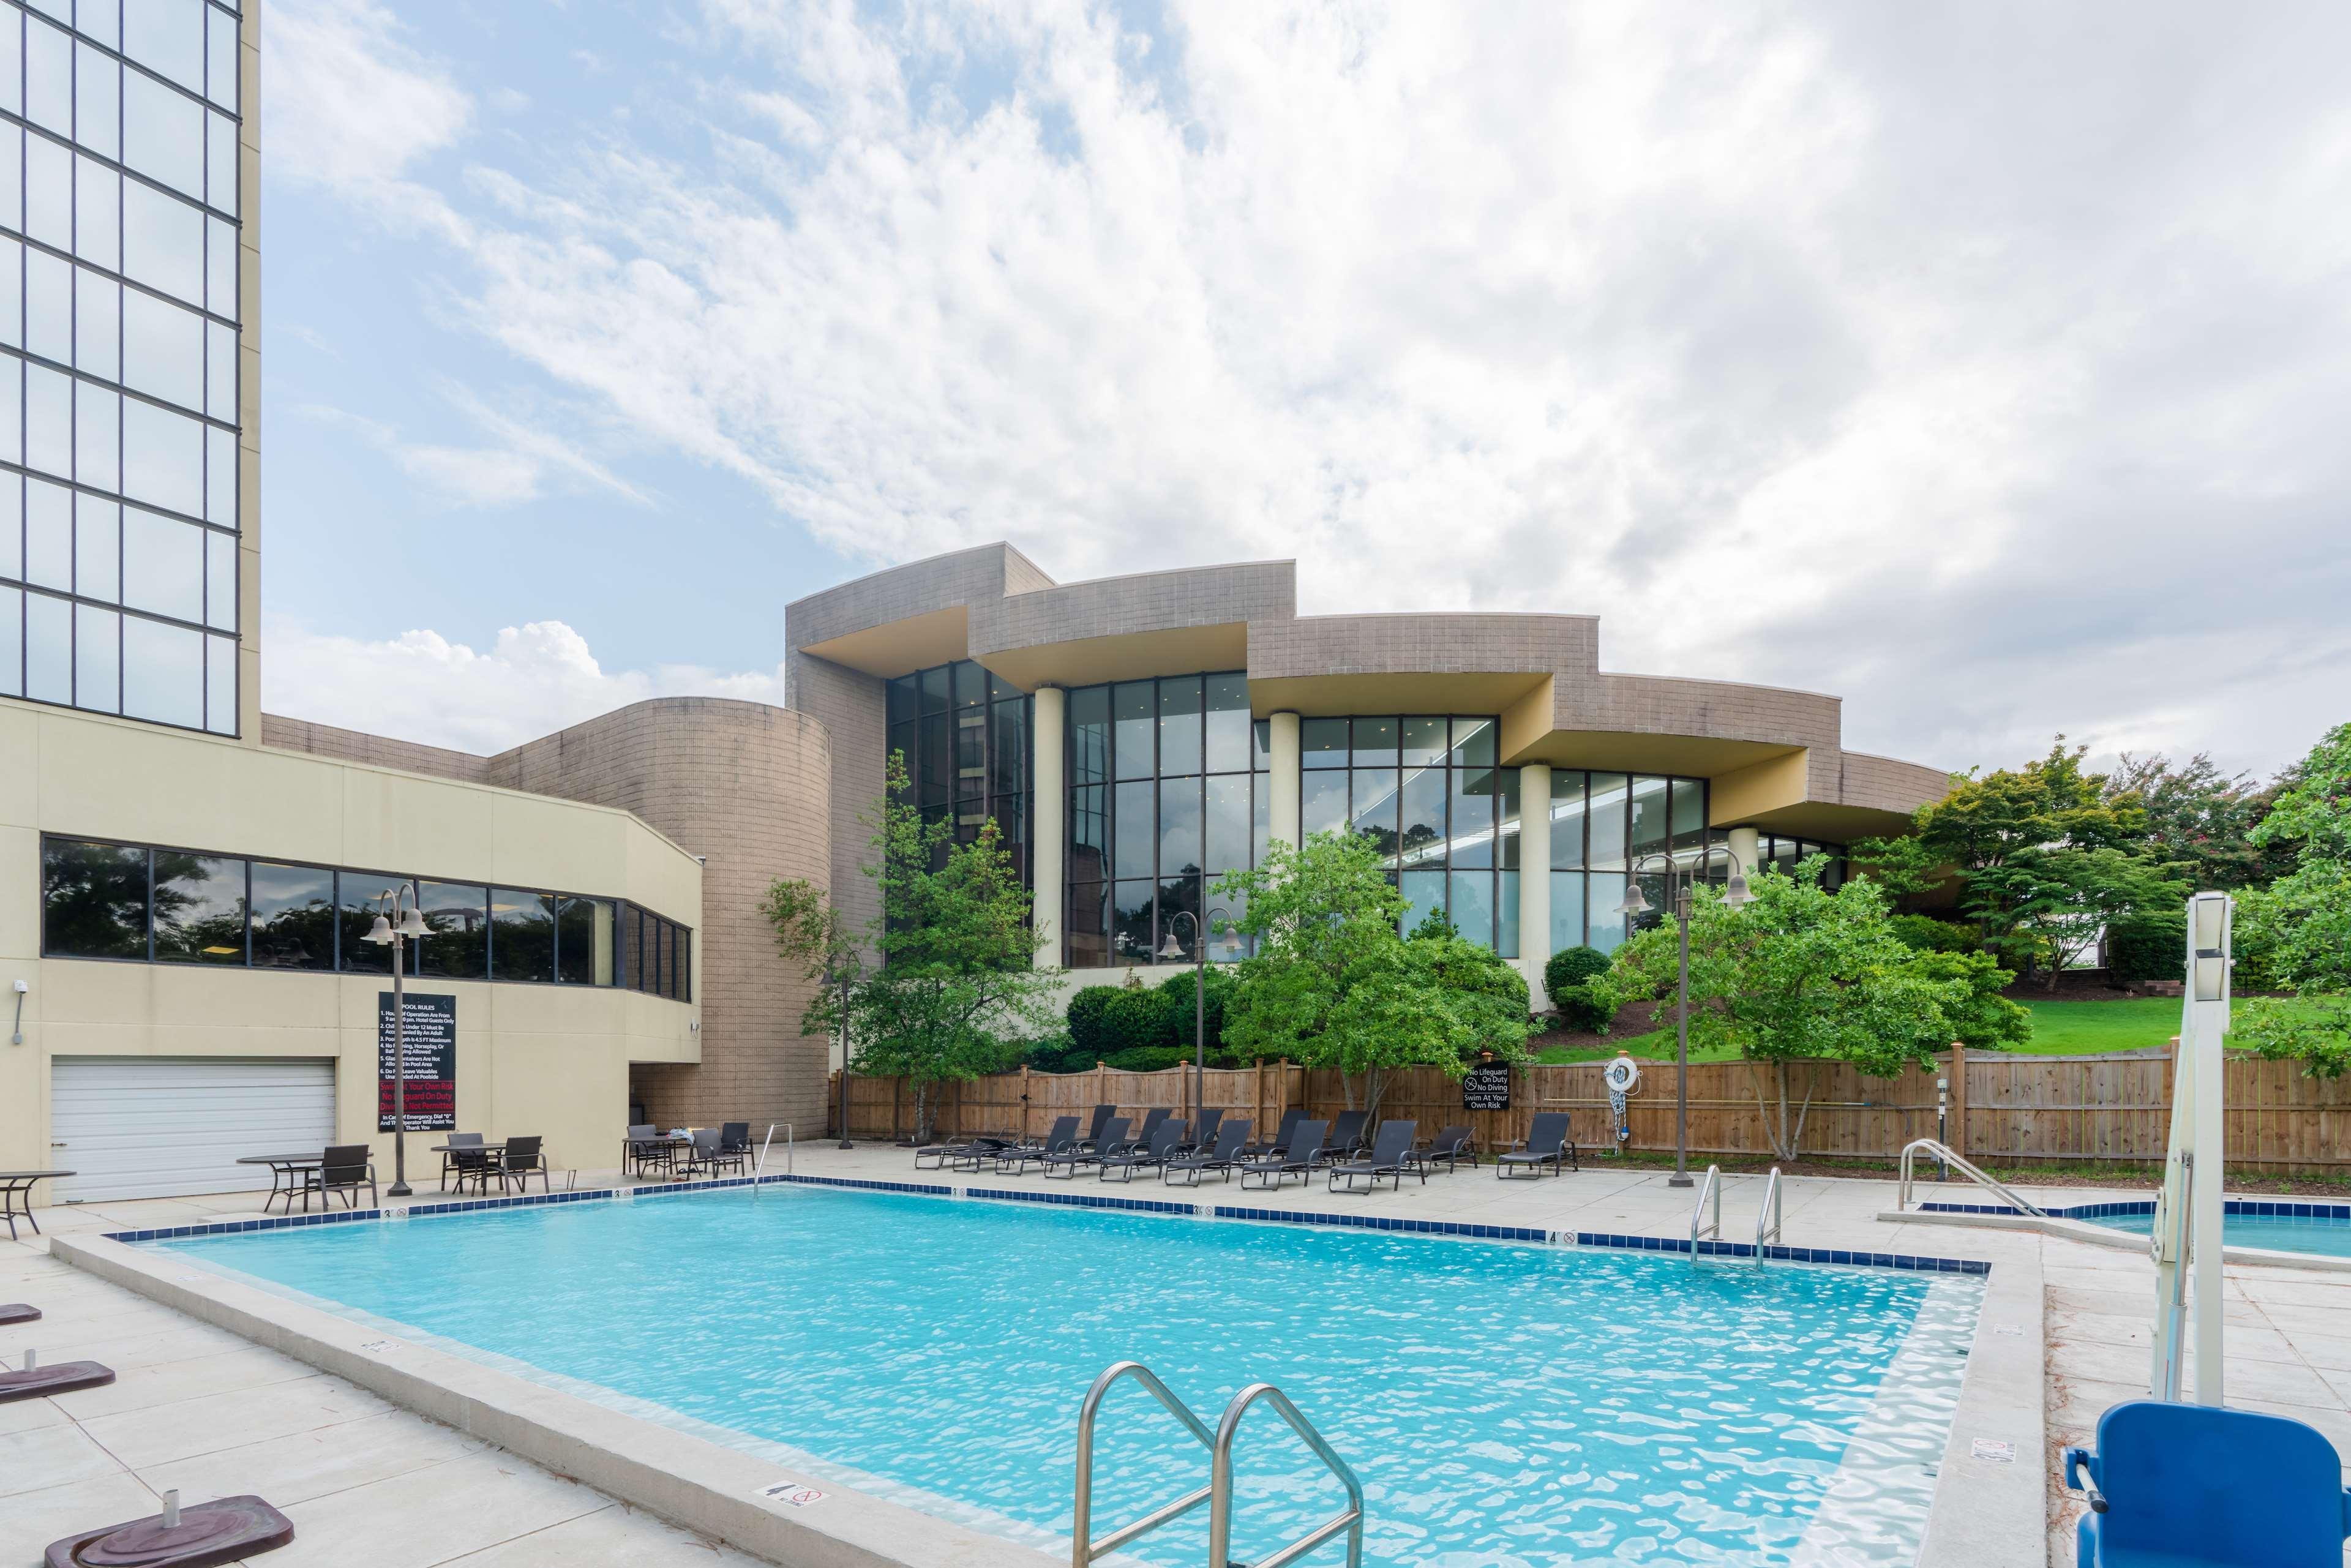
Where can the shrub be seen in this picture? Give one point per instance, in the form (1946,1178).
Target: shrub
(2152,948)
(1924,934)
(1090,1024)
(1149,1057)
(1175,994)
(1566,976)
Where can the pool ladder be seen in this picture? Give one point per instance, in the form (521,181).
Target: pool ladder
(1218,1493)
(1706,1216)
(1944,1155)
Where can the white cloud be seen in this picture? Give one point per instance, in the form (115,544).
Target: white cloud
(352,105)
(523,464)
(534,680)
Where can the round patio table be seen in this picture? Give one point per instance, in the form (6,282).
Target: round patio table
(285,1174)
(16,1196)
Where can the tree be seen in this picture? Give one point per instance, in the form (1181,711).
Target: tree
(2301,922)
(1333,983)
(2046,857)
(955,985)
(1567,976)
(2198,818)
(1801,975)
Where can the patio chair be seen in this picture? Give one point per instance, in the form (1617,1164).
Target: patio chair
(735,1146)
(2199,1486)
(459,1140)
(1346,1134)
(1451,1145)
(345,1168)
(520,1161)
(645,1149)
(1152,1121)
(1219,1156)
(1137,1156)
(1068,1160)
(1391,1157)
(1203,1132)
(471,1164)
(1299,1159)
(1546,1143)
(1014,1159)
(700,1156)
(1280,1139)
(1103,1113)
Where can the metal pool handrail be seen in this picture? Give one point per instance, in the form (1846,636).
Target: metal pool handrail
(1767,1218)
(1910,1152)
(1220,1511)
(1083,1548)
(1701,1226)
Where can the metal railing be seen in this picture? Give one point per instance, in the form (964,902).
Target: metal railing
(1767,1218)
(1916,1147)
(1702,1227)
(1218,1493)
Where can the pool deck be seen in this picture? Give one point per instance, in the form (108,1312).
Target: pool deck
(2064,1333)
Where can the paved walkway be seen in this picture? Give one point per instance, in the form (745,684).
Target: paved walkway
(370,1485)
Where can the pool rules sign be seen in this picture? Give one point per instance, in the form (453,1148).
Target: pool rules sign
(431,1026)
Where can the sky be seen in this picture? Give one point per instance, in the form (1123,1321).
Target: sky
(1986,365)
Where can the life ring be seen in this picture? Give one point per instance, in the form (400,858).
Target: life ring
(1622,1076)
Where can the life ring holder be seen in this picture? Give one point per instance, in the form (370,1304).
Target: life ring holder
(1622,1077)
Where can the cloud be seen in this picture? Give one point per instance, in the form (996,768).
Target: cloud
(523,463)
(1959,362)
(533,680)
(353,106)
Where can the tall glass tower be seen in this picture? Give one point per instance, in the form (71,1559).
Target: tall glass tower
(127,175)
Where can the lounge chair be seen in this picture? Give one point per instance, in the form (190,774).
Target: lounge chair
(1451,1145)
(1299,1159)
(1068,1160)
(2197,1486)
(1137,1156)
(1152,1120)
(1103,1113)
(344,1168)
(1219,1156)
(1346,1135)
(471,1140)
(1280,1139)
(963,1152)
(1546,1143)
(1203,1131)
(1018,1157)
(1391,1157)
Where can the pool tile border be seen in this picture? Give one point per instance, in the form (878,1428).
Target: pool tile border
(2255,1207)
(1845,1257)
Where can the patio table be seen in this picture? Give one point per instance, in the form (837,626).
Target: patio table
(285,1174)
(16,1196)
(496,1146)
(670,1141)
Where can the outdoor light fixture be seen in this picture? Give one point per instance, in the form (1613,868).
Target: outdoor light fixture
(1172,949)
(2212,945)
(409,924)
(1734,893)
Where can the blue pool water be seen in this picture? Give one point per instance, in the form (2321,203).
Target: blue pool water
(1504,1405)
(2279,1233)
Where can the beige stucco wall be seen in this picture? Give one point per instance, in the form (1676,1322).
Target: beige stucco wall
(549,1059)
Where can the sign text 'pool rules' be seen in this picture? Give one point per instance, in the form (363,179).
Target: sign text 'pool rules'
(1487,1087)
(430,1027)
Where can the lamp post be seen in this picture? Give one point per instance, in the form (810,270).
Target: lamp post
(406,921)
(839,976)
(1734,893)
(1169,949)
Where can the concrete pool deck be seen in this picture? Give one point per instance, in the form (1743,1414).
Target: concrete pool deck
(2063,1335)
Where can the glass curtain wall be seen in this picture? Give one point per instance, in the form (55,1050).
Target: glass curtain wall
(118,358)
(964,736)
(1167,793)
(1425,790)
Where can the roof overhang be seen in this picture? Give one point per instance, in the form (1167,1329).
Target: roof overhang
(901,647)
(1126,656)
(1334,695)
(1823,820)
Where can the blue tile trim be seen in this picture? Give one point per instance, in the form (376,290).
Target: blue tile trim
(1384,1222)
(2257,1208)
(1081,1201)
(1787,1254)
(928,1190)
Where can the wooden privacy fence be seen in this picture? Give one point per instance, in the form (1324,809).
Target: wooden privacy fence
(2002,1108)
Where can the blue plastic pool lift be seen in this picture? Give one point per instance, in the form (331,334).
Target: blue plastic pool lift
(2183,1485)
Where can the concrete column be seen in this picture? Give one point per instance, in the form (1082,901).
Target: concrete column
(1534,875)
(1744,849)
(1048,829)
(1282,822)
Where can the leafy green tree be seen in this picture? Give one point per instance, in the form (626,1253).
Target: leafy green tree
(1334,984)
(1567,976)
(2200,819)
(955,986)
(2301,923)
(1929,935)
(1799,974)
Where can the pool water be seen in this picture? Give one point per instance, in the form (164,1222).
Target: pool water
(2278,1232)
(1503,1405)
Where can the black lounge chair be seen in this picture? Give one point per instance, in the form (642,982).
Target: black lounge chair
(1391,1157)
(1451,1145)
(1546,1143)
(474,1140)
(1067,1161)
(1014,1159)
(1135,1156)
(1103,1113)
(1299,1159)
(1280,1139)
(1346,1135)
(344,1168)
(1203,1131)
(1219,1156)
(1152,1121)
(963,1152)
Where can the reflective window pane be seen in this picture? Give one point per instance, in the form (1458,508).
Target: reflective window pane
(1374,742)
(1424,741)
(1507,810)
(163,350)
(902,699)
(1179,826)
(1603,926)
(1421,834)
(1566,820)
(1689,813)
(48,535)
(1373,808)
(1178,913)
(970,684)
(293,917)
(49,648)
(1566,911)
(1473,743)
(98,326)
(1423,891)
(162,673)
(221,263)
(220,162)
(168,37)
(936,689)
(220,372)
(199,908)
(1506,913)
(97,436)
(221,59)
(12,287)
(1007,748)
(220,476)
(1322,802)
(97,214)
(1472,906)
(522,936)
(577,943)
(49,307)
(1227,724)
(48,420)
(1135,725)
(162,458)
(457,920)
(1472,835)
(48,75)
(220,684)
(93,900)
(1137,830)
(48,192)
(1228,821)
(98,89)
(163,566)
(1650,831)
(1089,833)
(1179,726)
(1131,922)
(97,659)
(12,641)
(1322,743)
(162,242)
(1088,726)
(162,134)
(359,899)
(1605,848)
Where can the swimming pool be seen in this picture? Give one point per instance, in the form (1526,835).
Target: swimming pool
(2284,1227)
(1505,1404)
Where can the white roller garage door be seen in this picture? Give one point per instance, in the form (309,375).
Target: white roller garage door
(164,1126)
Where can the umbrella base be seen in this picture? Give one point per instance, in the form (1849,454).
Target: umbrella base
(210,1533)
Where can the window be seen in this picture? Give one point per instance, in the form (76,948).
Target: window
(457,920)
(199,908)
(293,917)
(93,900)
(522,936)
(361,897)
(1601,824)
(964,733)
(1424,789)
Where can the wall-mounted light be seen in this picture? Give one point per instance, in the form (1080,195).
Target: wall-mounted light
(16,1036)
(2208,928)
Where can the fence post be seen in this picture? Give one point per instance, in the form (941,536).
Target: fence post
(1024,1101)
(1959,1098)
(897,1086)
